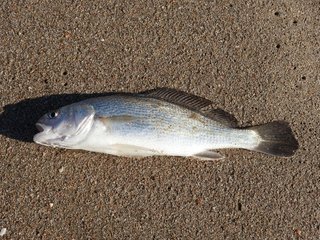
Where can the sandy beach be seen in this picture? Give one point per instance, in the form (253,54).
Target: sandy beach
(258,60)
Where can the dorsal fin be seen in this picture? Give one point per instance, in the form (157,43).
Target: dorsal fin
(221,116)
(178,97)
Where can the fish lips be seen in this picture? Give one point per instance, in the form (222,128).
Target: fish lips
(47,137)
(42,127)
(41,136)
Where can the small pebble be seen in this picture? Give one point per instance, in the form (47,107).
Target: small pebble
(61,170)
(51,205)
(3,232)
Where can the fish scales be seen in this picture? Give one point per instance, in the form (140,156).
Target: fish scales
(163,122)
(167,123)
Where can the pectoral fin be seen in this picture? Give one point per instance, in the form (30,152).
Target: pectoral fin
(208,156)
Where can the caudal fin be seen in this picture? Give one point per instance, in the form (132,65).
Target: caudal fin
(276,139)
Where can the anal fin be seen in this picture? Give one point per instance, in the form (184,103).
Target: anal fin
(208,155)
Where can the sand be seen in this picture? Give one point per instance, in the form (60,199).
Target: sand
(257,60)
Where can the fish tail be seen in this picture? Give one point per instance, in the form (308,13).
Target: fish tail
(276,138)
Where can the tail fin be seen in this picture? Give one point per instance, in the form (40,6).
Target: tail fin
(276,139)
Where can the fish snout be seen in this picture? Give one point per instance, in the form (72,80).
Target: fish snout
(42,136)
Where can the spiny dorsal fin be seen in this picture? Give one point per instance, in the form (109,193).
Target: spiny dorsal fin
(178,97)
(221,116)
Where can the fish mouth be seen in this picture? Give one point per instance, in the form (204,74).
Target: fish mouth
(41,137)
(42,128)
(46,137)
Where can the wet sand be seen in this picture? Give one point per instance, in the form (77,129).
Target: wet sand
(258,61)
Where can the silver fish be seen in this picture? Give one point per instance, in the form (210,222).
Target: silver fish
(159,122)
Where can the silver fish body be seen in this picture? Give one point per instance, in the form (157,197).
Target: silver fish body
(162,122)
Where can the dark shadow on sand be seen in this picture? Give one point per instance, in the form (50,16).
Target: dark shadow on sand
(18,120)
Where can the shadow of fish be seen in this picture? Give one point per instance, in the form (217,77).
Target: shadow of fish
(158,122)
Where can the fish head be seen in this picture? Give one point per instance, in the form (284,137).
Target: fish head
(66,126)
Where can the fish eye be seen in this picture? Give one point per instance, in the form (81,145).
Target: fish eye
(53,114)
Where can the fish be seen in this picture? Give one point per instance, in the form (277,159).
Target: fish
(158,122)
